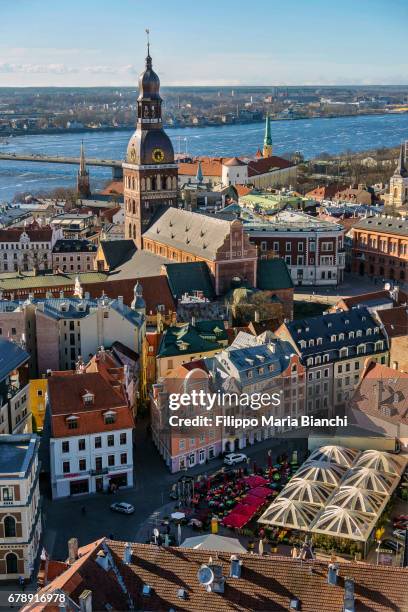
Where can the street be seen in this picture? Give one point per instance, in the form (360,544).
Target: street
(63,519)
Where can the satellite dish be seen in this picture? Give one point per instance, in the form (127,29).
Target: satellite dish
(205,575)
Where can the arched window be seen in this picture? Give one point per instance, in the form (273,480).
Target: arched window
(174,183)
(10,527)
(134,231)
(153,181)
(11,563)
(133,207)
(148,184)
(168,182)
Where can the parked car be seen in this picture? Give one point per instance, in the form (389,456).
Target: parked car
(399,533)
(233,458)
(122,507)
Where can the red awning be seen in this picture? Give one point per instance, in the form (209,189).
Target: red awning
(255,481)
(262,492)
(235,520)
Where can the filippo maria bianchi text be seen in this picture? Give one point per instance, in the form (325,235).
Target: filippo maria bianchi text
(255,421)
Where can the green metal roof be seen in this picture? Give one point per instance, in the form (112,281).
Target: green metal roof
(273,274)
(189,277)
(186,339)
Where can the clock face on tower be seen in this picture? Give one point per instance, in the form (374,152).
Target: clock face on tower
(157,155)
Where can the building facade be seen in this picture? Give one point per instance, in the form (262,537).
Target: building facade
(312,249)
(334,348)
(15,413)
(57,331)
(73,256)
(150,173)
(20,509)
(91,434)
(23,249)
(380,248)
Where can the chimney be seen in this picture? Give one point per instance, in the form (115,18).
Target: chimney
(72,550)
(349,603)
(127,554)
(61,295)
(235,567)
(256,316)
(193,320)
(332,574)
(85,601)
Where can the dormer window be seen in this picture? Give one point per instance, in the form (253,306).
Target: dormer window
(260,371)
(319,341)
(109,417)
(341,336)
(379,345)
(72,421)
(302,343)
(361,349)
(88,398)
(310,361)
(351,334)
(376,330)
(311,342)
(271,367)
(343,352)
(333,338)
(369,331)
(249,374)
(358,333)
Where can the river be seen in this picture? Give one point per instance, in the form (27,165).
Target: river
(311,137)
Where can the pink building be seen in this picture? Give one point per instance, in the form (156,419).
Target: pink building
(183,447)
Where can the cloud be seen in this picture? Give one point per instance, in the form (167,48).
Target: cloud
(7,68)
(128,69)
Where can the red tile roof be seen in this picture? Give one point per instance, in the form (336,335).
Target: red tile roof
(66,398)
(267,584)
(395,321)
(113,188)
(267,164)
(156,291)
(36,234)
(382,393)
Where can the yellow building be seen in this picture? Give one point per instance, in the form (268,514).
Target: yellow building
(37,393)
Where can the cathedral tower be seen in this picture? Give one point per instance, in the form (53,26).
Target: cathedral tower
(83,185)
(399,183)
(267,145)
(149,173)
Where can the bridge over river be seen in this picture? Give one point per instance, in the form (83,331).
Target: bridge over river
(115,164)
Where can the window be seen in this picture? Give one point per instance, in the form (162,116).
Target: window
(66,467)
(7,494)
(276,246)
(288,246)
(111,460)
(65,447)
(73,424)
(81,444)
(98,463)
(123,438)
(11,563)
(300,247)
(110,418)
(82,465)
(181,444)
(123,458)
(111,440)
(98,442)
(288,260)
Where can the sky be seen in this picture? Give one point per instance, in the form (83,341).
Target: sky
(217,42)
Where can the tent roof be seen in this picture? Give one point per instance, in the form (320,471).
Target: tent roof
(214,542)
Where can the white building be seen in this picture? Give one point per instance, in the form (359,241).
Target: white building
(91,434)
(234,172)
(20,511)
(27,248)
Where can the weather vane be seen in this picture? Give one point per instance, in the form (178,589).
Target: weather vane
(148,40)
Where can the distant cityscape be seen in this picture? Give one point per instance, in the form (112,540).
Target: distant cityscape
(42,110)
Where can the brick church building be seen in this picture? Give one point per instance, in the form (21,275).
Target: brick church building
(152,217)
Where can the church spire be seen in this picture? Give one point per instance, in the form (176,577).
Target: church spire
(83,185)
(267,144)
(199,175)
(82,163)
(148,57)
(401,170)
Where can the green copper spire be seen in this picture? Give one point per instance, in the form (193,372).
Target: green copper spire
(268,137)
(199,175)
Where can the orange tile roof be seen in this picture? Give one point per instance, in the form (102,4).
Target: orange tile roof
(113,188)
(267,584)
